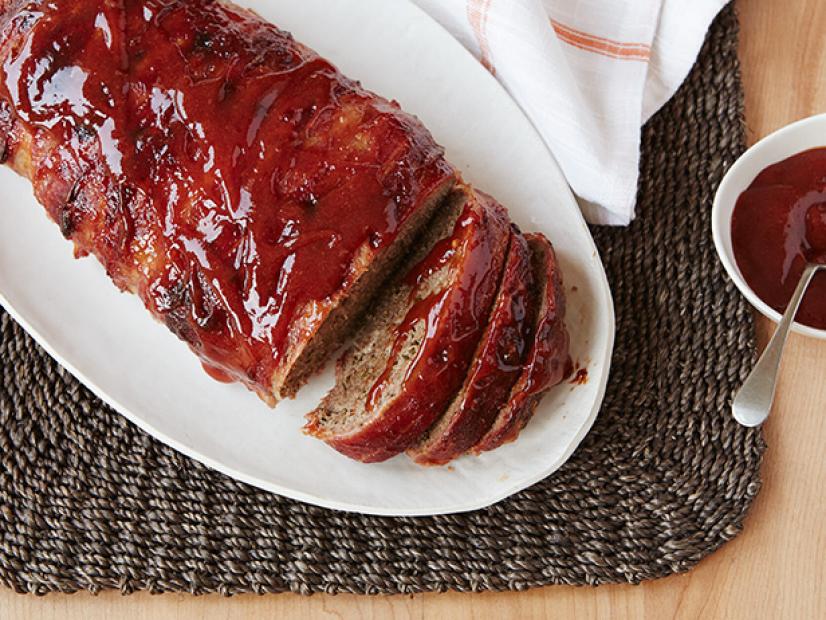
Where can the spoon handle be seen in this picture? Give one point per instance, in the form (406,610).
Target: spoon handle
(753,402)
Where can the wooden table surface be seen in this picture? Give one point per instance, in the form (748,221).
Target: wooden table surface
(775,569)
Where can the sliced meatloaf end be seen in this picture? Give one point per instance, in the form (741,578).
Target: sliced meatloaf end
(548,360)
(496,366)
(411,356)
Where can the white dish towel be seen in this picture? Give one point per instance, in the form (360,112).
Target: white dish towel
(588,73)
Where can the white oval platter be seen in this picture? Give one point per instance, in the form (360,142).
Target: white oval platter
(111,344)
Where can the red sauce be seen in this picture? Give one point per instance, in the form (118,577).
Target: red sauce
(439,257)
(580,377)
(218,374)
(219,169)
(779,224)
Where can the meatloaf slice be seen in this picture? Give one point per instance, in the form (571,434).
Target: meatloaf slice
(496,366)
(548,360)
(411,357)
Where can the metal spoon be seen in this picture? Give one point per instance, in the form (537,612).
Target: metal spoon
(753,402)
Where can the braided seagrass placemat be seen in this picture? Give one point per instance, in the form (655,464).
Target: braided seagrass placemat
(88,501)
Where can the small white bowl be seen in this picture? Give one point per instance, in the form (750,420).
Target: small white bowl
(801,136)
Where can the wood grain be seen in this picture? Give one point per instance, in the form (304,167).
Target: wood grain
(773,570)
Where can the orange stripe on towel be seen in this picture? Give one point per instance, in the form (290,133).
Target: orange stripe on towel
(477,14)
(600,45)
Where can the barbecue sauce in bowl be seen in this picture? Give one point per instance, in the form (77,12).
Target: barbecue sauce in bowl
(779,223)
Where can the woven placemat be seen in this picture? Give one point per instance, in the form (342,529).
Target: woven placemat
(88,501)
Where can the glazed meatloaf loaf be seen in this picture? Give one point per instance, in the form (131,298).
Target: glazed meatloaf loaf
(252,195)
(269,210)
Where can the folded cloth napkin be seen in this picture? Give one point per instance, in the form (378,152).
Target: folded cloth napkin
(588,73)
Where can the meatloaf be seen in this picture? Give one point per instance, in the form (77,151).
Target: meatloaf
(247,191)
(268,210)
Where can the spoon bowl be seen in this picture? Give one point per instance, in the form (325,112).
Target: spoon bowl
(803,135)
